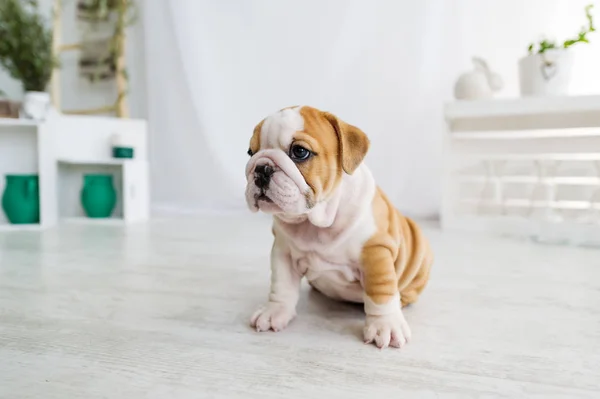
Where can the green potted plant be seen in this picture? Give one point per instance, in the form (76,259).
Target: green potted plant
(26,53)
(546,71)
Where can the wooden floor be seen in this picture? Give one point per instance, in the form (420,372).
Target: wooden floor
(161,311)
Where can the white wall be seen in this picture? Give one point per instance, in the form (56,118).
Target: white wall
(216,68)
(501,30)
(79,93)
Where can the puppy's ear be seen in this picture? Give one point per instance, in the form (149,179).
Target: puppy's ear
(353,143)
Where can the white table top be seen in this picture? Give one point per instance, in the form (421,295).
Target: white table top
(513,107)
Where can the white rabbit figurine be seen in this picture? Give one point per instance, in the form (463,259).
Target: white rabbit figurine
(480,83)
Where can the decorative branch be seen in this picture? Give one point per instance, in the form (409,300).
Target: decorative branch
(582,37)
(126,13)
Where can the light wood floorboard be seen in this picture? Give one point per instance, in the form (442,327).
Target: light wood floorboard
(161,311)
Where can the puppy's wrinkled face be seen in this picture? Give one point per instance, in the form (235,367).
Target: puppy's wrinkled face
(297,158)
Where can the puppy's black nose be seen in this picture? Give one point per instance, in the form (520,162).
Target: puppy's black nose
(262,175)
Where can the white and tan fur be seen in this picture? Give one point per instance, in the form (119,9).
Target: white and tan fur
(333,225)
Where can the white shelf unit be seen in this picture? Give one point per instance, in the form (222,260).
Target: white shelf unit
(84,146)
(64,148)
(26,148)
(524,167)
(12,123)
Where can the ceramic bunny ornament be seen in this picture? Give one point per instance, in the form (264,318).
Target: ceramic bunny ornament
(479,83)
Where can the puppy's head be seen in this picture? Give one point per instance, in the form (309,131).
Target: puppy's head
(297,159)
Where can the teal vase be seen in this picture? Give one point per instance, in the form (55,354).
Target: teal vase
(98,195)
(21,199)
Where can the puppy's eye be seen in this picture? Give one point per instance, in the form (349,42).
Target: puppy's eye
(299,153)
(250,153)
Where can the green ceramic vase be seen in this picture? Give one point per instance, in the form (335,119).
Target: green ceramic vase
(98,195)
(21,199)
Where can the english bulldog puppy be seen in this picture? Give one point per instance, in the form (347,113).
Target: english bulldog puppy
(332,224)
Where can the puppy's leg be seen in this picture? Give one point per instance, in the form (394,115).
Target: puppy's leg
(385,324)
(285,286)
(411,293)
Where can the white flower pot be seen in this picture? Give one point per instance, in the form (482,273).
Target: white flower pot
(35,105)
(546,74)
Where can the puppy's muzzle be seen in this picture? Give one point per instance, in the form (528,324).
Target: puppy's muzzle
(262,176)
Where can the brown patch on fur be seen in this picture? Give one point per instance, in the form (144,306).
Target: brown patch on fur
(255,139)
(397,258)
(321,171)
(336,145)
(353,143)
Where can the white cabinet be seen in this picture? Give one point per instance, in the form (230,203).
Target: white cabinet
(26,147)
(524,167)
(61,150)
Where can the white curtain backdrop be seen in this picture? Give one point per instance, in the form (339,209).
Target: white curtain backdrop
(216,68)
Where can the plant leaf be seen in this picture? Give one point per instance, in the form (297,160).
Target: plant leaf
(26,45)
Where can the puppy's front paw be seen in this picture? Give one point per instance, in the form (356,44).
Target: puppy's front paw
(273,316)
(388,330)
